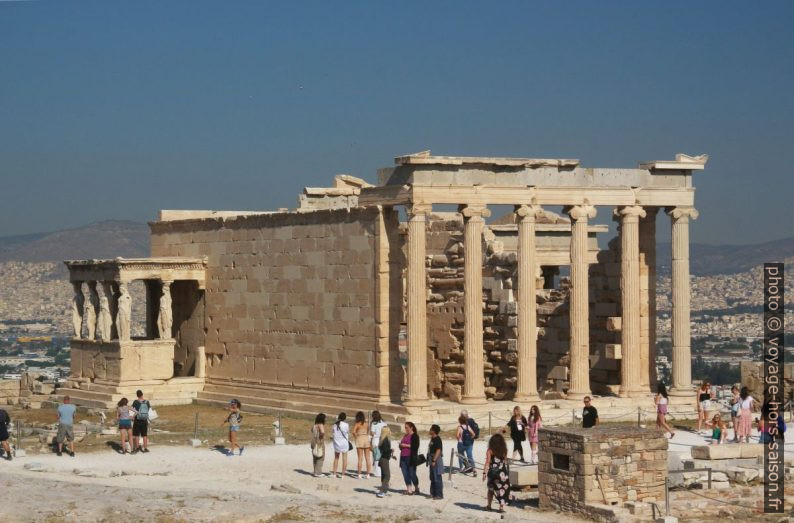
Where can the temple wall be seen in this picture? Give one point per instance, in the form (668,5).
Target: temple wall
(290,298)
(446,319)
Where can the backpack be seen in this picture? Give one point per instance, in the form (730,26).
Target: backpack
(143,410)
(474,427)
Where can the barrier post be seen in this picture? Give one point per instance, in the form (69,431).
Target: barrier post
(196,426)
(573,417)
(451,461)
(666,496)
(19,437)
(489,423)
(639,416)
(709,478)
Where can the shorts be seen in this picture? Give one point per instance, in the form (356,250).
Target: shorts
(234,428)
(125,423)
(140,427)
(65,432)
(3,432)
(705,405)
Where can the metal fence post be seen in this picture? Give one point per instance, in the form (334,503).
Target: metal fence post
(451,461)
(489,423)
(573,417)
(19,437)
(709,478)
(666,496)
(639,416)
(196,426)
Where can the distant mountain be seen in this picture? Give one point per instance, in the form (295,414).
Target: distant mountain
(707,260)
(106,239)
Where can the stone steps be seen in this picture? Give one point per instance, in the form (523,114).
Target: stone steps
(177,391)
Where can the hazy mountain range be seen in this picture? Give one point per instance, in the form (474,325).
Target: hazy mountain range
(108,239)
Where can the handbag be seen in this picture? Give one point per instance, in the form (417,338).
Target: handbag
(318,451)
(376,453)
(153,414)
(420,459)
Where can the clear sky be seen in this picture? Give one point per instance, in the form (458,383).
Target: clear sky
(112,110)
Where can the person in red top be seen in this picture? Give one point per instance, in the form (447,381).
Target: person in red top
(409,449)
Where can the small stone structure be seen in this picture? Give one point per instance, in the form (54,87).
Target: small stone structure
(589,471)
(753,379)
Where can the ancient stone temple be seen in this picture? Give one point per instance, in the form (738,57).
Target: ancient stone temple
(306,309)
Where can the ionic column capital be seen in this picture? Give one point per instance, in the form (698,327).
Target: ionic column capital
(630,212)
(580,212)
(418,210)
(528,212)
(475,211)
(682,213)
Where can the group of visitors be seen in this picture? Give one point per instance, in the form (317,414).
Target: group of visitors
(375,450)
(133,423)
(524,429)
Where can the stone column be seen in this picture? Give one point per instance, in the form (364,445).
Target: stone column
(648,299)
(105,318)
(579,308)
(91,309)
(682,356)
(165,316)
(123,313)
(78,305)
(630,384)
(473,361)
(527,385)
(417,306)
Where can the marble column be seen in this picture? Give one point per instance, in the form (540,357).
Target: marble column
(473,360)
(682,355)
(579,308)
(527,383)
(91,310)
(630,383)
(417,306)
(78,305)
(648,299)
(165,315)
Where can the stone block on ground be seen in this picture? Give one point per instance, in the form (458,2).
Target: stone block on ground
(524,476)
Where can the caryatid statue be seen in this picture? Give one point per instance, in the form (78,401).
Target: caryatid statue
(124,312)
(91,308)
(78,303)
(165,318)
(105,319)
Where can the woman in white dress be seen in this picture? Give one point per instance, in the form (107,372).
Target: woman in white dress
(375,429)
(341,442)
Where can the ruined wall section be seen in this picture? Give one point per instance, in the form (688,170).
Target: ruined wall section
(290,298)
(445,259)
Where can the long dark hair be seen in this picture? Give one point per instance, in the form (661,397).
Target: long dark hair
(413,427)
(536,415)
(744,393)
(320,419)
(342,417)
(497,446)
(360,418)
(661,389)
(122,402)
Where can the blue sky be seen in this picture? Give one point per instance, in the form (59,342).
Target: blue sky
(116,110)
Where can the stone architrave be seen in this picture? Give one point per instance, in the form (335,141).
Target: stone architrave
(579,313)
(165,316)
(527,383)
(124,313)
(78,304)
(91,310)
(630,381)
(417,306)
(474,379)
(682,355)
(105,318)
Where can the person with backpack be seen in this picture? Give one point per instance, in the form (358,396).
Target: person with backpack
(467,432)
(140,425)
(5,421)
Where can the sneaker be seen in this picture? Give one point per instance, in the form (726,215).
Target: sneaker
(241,451)
(9,457)
(338,476)
(145,450)
(359,476)
(71,454)
(381,495)
(59,453)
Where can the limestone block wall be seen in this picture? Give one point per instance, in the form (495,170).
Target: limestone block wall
(603,465)
(445,259)
(291,298)
(122,361)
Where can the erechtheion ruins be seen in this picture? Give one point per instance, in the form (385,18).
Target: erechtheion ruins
(312,309)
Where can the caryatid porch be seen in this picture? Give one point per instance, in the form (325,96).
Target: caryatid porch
(473,183)
(103,348)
